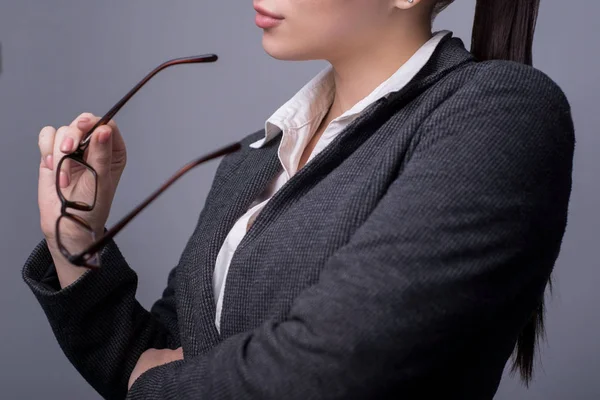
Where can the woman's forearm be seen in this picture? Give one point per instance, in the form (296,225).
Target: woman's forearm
(100,326)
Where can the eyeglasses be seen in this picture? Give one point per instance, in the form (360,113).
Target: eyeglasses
(84,251)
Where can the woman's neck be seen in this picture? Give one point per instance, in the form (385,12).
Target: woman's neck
(358,75)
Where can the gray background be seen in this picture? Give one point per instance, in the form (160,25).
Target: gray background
(61,58)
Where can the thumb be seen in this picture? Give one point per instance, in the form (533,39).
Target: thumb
(100,150)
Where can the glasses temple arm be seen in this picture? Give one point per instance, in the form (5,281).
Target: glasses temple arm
(111,113)
(108,235)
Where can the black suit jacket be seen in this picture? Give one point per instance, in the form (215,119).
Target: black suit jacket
(401,262)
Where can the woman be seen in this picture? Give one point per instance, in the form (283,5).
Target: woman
(389,234)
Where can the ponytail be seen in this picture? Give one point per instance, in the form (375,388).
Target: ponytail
(503,30)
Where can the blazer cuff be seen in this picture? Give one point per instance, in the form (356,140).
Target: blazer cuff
(62,304)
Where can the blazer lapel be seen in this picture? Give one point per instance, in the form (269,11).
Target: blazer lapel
(222,209)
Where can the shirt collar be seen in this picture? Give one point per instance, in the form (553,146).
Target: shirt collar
(314,98)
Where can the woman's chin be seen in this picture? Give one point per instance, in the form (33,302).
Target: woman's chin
(280,50)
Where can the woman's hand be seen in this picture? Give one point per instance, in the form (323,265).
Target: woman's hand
(153,358)
(106,154)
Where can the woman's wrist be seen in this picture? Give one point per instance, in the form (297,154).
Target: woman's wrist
(67,273)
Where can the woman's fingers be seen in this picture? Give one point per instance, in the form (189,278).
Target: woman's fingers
(66,141)
(46,145)
(100,150)
(61,141)
(73,134)
(46,171)
(105,153)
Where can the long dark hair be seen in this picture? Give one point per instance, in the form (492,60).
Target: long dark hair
(503,30)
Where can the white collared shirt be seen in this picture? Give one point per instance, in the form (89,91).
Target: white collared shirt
(297,120)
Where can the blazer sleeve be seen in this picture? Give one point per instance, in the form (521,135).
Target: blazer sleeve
(454,258)
(98,323)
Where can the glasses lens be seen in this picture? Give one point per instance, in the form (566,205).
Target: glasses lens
(81,191)
(75,236)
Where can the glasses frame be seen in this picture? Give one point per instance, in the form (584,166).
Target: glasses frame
(82,258)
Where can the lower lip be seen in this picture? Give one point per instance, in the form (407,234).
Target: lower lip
(265,22)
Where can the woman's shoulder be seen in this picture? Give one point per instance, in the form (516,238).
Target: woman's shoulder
(500,95)
(501,107)
(514,81)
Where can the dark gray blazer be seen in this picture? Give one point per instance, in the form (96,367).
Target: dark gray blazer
(401,262)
